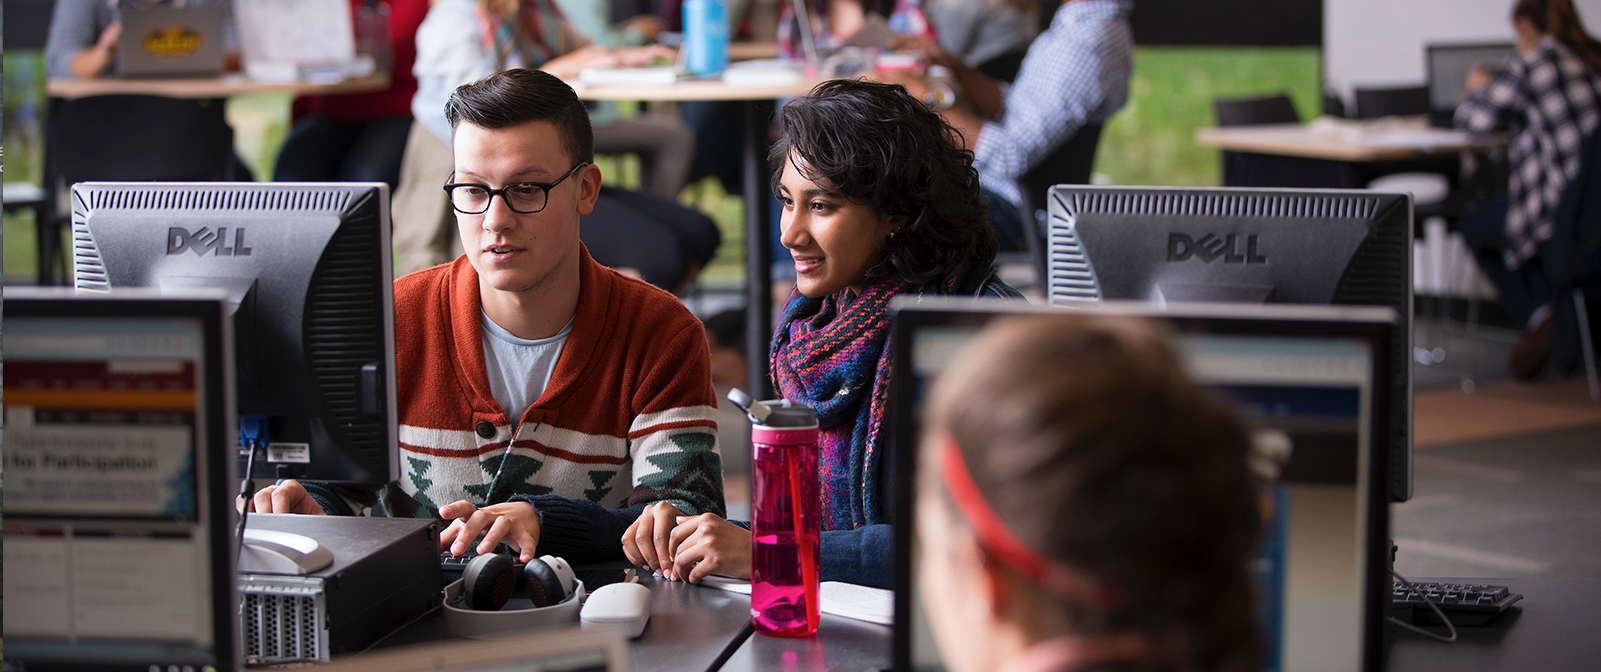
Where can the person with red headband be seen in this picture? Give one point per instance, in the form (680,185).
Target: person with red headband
(1084,506)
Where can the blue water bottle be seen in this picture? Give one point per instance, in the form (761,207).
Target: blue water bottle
(705,36)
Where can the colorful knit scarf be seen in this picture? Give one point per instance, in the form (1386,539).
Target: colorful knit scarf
(832,355)
(537,33)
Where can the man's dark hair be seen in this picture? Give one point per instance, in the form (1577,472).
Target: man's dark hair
(878,145)
(517,96)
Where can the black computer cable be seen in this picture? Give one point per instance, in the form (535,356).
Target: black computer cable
(1448,624)
(252,436)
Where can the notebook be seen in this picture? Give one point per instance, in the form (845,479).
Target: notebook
(160,41)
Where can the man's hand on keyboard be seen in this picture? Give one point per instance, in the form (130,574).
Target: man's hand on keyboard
(515,524)
(286,497)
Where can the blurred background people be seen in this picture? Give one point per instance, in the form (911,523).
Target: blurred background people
(1076,73)
(1547,96)
(358,137)
(461,41)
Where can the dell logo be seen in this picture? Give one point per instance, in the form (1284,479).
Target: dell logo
(1210,248)
(203,241)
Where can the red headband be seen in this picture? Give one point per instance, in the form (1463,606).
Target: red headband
(998,538)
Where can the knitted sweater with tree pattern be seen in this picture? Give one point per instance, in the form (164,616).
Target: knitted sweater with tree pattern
(628,418)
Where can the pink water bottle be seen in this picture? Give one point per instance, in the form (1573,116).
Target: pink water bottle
(785,518)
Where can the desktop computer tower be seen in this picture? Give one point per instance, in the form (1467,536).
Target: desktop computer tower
(385,572)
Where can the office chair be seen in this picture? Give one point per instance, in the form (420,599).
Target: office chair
(1248,170)
(1572,257)
(1428,180)
(1072,163)
(1003,67)
(1405,101)
(128,138)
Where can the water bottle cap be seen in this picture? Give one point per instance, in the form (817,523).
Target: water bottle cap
(785,415)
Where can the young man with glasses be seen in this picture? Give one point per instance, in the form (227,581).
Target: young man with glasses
(545,399)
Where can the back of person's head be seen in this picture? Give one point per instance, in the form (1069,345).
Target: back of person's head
(1560,20)
(515,97)
(1093,449)
(878,145)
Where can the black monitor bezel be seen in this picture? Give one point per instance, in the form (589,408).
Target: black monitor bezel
(218,444)
(1217,318)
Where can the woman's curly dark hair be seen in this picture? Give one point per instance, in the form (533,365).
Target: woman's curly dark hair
(878,145)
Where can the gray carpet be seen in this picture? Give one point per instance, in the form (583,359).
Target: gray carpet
(1522,507)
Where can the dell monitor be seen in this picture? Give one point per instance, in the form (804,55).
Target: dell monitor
(118,482)
(1310,377)
(1297,246)
(307,271)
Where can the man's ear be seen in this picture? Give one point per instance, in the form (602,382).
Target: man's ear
(588,188)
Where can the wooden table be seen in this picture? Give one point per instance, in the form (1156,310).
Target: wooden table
(1338,153)
(747,51)
(758,235)
(1338,144)
(213,87)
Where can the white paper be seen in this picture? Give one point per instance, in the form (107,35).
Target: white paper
(297,32)
(874,605)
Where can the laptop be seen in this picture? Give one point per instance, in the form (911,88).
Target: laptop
(548,650)
(1448,66)
(1310,374)
(169,41)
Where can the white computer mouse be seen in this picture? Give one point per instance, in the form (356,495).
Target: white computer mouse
(625,606)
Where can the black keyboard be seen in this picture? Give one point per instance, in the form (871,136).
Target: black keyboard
(1466,604)
(451,566)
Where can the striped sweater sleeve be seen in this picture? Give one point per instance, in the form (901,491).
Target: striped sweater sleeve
(672,446)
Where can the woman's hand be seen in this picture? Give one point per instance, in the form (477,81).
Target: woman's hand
(286,497)
(1479,77)
(646,541)
(514,523)
(93,61)
(928,49)
(650,54)
(915,85)
(568,65)
(707,544)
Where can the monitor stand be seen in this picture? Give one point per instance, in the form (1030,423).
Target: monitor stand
(274,552)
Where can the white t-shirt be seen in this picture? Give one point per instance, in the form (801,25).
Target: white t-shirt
(519,368)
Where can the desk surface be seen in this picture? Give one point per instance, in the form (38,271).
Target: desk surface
(691,629)
(1554,628)
(1305,140)
(841,645)
(694,90)
(213,87)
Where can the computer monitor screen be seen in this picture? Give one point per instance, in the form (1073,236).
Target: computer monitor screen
(1448,66)
(117,535)
(1309,374)
(307,271)
(1307,246)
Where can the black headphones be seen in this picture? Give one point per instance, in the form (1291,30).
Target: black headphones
(489,580)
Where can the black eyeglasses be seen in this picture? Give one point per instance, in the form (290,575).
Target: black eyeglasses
(524,197)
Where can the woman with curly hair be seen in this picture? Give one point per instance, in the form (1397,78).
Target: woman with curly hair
(879,201)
